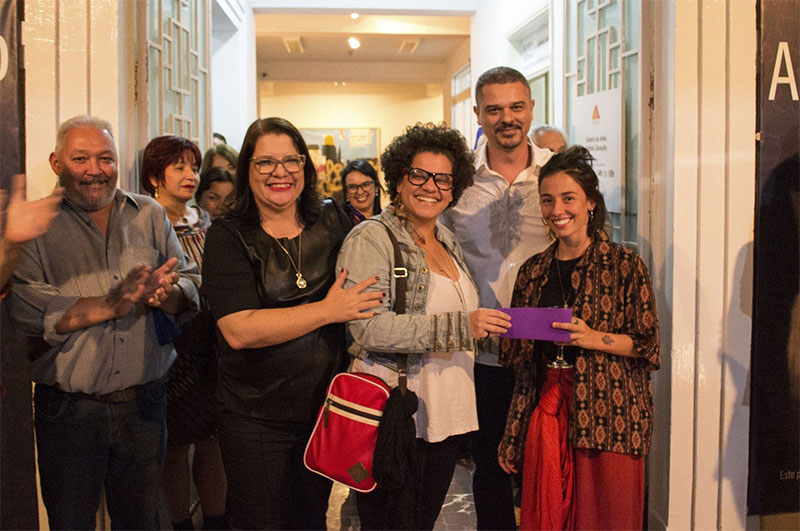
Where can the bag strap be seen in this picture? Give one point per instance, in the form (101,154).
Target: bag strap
(400,274)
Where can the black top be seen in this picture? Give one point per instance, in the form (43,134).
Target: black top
(553,296)
(244,268)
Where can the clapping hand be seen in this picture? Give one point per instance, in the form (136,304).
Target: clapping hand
(160,283)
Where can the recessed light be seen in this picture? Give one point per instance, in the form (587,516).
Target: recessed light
(354,43)
(354,15)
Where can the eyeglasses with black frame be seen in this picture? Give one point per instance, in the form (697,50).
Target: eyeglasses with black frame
(366,186)
(267,165)
(418,177)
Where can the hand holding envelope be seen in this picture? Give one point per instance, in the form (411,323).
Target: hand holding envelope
(536,323)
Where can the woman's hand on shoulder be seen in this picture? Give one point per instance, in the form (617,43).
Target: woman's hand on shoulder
(484,322)
(353,302)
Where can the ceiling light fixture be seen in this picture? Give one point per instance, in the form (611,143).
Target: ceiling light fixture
(353,43)
(354,16)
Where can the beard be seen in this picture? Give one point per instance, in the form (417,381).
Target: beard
(509,143)
(72,190)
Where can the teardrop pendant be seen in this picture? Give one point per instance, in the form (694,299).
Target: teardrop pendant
(301,282)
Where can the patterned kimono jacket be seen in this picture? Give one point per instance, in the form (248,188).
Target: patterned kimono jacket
(612,400)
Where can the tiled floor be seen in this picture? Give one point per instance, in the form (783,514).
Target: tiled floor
(458,511)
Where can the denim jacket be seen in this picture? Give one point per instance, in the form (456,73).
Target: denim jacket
(367,251)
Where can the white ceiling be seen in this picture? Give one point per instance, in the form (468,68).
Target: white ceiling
(325,48)
(322,47)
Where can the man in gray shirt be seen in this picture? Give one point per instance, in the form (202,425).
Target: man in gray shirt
(100,292)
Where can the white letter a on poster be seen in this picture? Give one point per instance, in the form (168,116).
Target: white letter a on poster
(783,55)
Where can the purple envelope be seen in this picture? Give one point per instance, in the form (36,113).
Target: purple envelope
(534,323)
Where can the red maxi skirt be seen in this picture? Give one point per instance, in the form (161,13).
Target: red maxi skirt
(571,489)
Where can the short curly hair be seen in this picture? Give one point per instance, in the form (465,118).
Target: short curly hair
(428,138)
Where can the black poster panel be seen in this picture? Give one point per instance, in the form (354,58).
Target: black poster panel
(774,471)
(11,147)
(18,502)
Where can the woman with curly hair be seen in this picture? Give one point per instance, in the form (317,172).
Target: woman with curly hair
(268,274)
(169,174)
(584,450)
(426,170)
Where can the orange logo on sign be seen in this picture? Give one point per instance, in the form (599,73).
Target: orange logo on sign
(595,114)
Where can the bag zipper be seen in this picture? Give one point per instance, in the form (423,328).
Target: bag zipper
(330,401)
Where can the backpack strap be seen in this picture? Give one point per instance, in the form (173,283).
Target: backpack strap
(400,275)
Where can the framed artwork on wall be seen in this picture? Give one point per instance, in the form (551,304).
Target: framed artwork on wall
(332,148)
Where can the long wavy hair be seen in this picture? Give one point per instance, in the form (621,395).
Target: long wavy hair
(244,204)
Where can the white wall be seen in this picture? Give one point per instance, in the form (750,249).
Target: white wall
(233,69)
(388,106)
(492,23)
(703,200)
(71,67)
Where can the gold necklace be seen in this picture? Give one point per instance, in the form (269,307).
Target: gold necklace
(301,282)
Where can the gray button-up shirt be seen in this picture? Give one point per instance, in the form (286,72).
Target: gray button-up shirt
(74,259)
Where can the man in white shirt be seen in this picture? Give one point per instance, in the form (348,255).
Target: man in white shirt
(499,225)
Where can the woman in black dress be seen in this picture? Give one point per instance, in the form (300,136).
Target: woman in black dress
(269,278)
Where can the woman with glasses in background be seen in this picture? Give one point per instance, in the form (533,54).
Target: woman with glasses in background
(270,282)
(426,170)
(362,190)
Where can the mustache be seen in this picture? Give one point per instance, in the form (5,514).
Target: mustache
(94,180)
(508,125)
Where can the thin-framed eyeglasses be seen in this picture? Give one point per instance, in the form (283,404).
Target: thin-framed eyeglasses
(267,165)
(418,177)
(366,186)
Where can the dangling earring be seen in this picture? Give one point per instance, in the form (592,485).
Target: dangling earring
(591,215)
(155,192)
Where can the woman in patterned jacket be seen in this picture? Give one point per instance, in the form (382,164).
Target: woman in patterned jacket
(593,418)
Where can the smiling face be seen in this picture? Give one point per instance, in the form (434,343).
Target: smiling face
(425,203)
(277,192)
(87,167)
(505,114)
(362,200)
(180,179)
(565,207)
(214,199)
